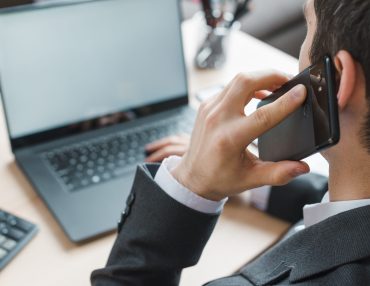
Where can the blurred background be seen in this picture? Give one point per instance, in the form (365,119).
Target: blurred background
(278,23)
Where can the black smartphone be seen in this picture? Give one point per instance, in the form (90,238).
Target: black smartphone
(314,126)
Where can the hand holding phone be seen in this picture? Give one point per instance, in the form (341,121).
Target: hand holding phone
(311,128)
(217,163)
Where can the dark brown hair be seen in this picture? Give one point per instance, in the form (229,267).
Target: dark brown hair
(345,25)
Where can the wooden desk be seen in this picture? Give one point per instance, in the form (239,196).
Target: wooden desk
(242,232)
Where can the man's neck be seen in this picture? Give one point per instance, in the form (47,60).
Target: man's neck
(349,176)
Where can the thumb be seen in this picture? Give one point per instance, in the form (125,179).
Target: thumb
(280,173)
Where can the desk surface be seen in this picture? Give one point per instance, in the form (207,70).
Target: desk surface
(242,232)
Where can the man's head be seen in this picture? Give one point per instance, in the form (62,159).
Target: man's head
(340,28)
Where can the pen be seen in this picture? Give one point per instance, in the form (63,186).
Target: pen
(241,8)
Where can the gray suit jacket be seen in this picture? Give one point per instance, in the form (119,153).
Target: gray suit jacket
(159,237)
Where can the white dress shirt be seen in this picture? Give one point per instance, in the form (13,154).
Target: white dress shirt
(312,214)
(316,213)
(181,194)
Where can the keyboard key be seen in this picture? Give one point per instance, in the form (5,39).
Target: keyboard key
(3,253)
(95,179)
(4,230)
(106,176)
(90,164)
(2,239)
(84,182)
(83,159)
(24,225)
(80,167)
(15,233)
(11,220)
(2,216)
(9,244)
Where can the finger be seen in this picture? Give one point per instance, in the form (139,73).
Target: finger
(245,85)
(270,115)
(277,174)
(165,152)
(171,140)
(262,94)
(265,80)
(222,94)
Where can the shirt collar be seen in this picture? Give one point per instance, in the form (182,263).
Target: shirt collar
(315,213)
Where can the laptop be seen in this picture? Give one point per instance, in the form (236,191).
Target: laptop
(85,86)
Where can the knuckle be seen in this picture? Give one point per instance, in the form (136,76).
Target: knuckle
(262,118)
(205,108)
(280,178)
(166,151)
(172,139)
(202,107)
(221,142)
(211,120)
(283,105)
(243,79)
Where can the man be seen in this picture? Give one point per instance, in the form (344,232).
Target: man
(333,249)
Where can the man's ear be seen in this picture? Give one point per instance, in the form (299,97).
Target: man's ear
(346,67)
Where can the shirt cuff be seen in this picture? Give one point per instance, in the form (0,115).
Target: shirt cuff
(259,197)
(181,194)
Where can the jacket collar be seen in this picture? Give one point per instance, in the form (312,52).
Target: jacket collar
(338,240)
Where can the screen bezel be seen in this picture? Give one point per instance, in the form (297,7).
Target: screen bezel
(91,124)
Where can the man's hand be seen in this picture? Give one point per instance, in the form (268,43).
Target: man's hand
(218,163)
(163,148)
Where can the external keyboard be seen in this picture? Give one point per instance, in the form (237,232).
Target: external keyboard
(15,233)
(105,158)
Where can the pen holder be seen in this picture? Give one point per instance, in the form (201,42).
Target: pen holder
(212,52)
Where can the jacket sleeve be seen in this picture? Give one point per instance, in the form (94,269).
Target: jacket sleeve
(158,237)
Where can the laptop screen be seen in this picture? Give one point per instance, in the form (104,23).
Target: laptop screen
(63,64)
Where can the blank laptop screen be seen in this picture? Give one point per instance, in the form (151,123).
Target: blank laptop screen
(71,63)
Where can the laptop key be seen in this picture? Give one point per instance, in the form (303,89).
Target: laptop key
(2,216)
(15,233)
(3,253)
(11,220)
(9,244)
(4,230)
(95,179)
(24,225)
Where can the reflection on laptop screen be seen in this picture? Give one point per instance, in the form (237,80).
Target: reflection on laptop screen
(70,63)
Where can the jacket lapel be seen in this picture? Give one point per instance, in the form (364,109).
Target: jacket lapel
(339,240)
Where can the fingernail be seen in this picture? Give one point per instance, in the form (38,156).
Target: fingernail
(299,172)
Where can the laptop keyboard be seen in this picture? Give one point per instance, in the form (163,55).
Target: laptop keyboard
(15,233)
(104,158)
